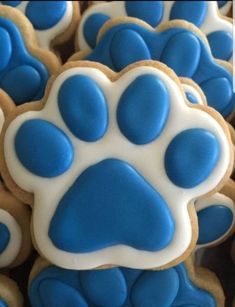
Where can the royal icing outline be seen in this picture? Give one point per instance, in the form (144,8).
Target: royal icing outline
(45,37)
(45,203)
(213,21)
(14,245)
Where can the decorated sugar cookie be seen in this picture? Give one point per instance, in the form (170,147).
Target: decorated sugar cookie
(96,200)
(203,14)
(10,295)
(182,285)
(178,44)
(24,66)
(15,243)
(54,21)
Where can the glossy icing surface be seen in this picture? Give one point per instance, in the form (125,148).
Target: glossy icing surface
(204,14)
(5,237)
(179,48)
(117,287)
(49,18)
(17,64)
(216,218)
(109,181)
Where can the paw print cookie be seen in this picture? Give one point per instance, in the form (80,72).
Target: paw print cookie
(203,14)
(216,216)
(179,45)
(182,285)
(15,243)
(112,175)
(53,21)
(10,295)
(24,67)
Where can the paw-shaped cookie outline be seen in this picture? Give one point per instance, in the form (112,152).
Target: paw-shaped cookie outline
(209,20)
(62,27)
(10,294)
(15,228)
(45,202)
(139,41)
(180,285)
(22,58)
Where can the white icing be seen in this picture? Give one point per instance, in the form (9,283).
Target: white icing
(226,8)
(190,89)
(212,22)
(46,36)
(216,199)
(48,192)
(14,245)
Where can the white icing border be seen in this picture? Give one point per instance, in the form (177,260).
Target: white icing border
(46,36)
(48,192)
(14,245)
(216,198)
(213,21)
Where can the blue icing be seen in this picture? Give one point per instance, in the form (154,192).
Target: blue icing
(135,45)
(213,223)
(187,47)
(221,44)
(45,14)
(192,11)
(143,109)
(43,148)
(83,107)
(4,237)
(92,26)
(150,289)
(191,157)
(120,204)
(6,48)
(218,92)
(13,83)
(142,43)
(3,303)
(222,3)
(23,77)
(117,287)
(191,98)
(149,11)
(104,286)
(55,293)
(11,3)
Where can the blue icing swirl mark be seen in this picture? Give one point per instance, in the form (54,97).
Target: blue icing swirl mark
(3,303)
(4,237)
(6,48)
(149,11)
(191,98)
(221,44)
(213,223)
(143,109)
(101,194)
(37,138)
(83,108)
(92,26)
(191,157)
(54,286)
(11,3)
(45,14)
(140,43)
(23,77)
(192,11)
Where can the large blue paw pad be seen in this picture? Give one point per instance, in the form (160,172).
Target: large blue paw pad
(5,237)
(43,148)
(83,107)
(100,195)
(191,157)
(143,109)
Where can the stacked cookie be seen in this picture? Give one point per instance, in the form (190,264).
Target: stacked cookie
(117,133)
